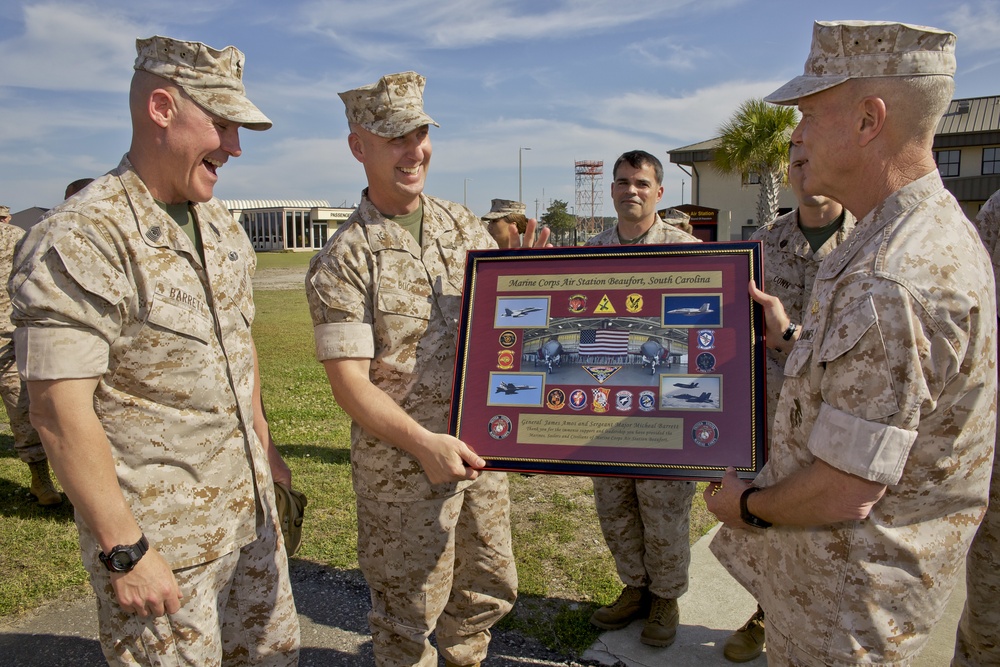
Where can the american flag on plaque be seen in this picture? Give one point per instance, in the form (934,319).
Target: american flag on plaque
(603,341)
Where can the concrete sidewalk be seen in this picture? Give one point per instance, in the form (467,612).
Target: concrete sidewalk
(333,605)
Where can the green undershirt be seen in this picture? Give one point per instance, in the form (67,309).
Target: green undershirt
(411,222)
(181,214)
(817,236)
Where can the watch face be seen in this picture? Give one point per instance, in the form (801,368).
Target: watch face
(121,561)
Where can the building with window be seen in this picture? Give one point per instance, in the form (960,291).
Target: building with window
(966,148)
(287,224)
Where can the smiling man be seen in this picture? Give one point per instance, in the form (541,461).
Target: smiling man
(385,295)
(133,307)
(645,521)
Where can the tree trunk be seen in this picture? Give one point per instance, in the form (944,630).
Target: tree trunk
(767,201)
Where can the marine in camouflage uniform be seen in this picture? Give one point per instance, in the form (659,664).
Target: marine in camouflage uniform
(27,444)
(645,522)
(880,456)
(433,532)
(978,640)
(135,343)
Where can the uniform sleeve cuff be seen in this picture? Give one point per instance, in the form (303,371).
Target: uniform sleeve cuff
(59,353)
(872,451)
(344,340)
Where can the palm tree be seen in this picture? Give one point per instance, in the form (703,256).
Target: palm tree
(754,143)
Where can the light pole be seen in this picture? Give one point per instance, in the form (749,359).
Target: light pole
(519,151)
(465,193)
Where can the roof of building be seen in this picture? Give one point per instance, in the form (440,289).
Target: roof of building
(251,204)
(972,114)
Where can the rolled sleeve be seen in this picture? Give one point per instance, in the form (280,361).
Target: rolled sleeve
(60,353)
(873,451)
(344,340)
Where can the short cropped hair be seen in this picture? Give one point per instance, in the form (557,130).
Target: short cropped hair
(638,159)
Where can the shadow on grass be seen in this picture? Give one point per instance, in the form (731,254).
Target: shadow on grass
(17,501)
(318,453)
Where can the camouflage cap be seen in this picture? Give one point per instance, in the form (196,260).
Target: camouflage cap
(843,50)
(391,107)
(213,78)
(501,208)
(673,216)
(4,211)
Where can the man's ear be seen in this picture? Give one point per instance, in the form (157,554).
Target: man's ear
(871,119)
(357,147)
(162,107)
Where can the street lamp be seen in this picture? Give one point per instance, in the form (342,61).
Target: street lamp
(519,151)
(465,193)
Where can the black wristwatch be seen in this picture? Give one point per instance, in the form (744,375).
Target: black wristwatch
(790,331)
(125,556)
(748,518)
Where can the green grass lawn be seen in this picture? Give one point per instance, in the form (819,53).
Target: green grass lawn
(565,569)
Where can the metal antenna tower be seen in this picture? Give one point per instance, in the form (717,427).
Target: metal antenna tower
(590,194)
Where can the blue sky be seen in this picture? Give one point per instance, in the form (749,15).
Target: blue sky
(570,79)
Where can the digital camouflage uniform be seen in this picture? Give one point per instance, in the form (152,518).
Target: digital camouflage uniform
(978,642)
(27,444)
(646,522)
(109,286)
(434,556)
(893,380)
(789,273)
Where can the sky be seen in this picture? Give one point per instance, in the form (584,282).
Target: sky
(568,79)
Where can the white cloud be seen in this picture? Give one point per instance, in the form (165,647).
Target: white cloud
(70,47)
(669,53)
(977,26)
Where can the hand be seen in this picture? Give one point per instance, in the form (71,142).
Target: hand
(529,241)
(150,588)
(280,472)
(448,459)
(723,498)
(775,319)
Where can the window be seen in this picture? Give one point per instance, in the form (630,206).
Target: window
(948,162)
(752,178)
(991,161)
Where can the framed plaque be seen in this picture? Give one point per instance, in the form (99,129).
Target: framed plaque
(636,361)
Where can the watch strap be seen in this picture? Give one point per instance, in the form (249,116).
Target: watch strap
(745,514)
(134,552)
(790,331)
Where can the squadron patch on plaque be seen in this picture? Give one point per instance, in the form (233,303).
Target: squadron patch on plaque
(578,303)
(500,427)
(602,396)
(633,303)
(705,434)
(706,339)
(505,360)
(508,339)
(623,401)
(705,362)
(555,399)
(601,373)
(647,401)
(578,399)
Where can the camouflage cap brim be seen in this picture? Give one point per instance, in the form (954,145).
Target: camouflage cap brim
(230,106)
(402,123)
(803,86)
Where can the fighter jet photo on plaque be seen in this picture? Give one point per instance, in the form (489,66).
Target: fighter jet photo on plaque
(640,361)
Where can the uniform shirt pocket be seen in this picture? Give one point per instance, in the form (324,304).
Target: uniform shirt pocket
(858,378)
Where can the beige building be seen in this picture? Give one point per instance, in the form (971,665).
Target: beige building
(287,224)
(966,147)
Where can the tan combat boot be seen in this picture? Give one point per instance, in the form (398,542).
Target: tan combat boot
(748,642)
(661,626)
(42,487)
(631,604)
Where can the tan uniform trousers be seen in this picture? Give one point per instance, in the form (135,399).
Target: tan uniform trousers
(27,444)
(646,524)
(978,640)
(236,610)
(443,565)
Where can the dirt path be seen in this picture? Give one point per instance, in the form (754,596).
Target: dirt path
(280,279)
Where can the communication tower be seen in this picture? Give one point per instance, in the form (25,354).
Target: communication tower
(590,195)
